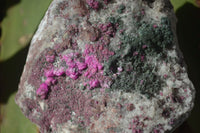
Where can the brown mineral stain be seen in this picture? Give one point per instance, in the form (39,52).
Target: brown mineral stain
(92,126)
(90,33)
(24,40)
(79,7)
(114,110)
(130,107)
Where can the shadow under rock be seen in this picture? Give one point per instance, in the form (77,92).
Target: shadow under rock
(10,73)
(188,31)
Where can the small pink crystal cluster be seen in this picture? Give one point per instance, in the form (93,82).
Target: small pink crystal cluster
(93,66)
(50,75)
(75,67)
(108,29)
(86,64)
(136,125)
(42,90)
(50,58)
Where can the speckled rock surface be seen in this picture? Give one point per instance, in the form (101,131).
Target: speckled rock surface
(106,66)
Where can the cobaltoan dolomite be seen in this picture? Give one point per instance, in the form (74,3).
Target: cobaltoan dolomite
(106,66)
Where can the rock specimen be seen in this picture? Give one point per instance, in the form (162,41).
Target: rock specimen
(106,66)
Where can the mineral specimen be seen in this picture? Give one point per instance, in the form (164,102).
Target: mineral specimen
(105,66)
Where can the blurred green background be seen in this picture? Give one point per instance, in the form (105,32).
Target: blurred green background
(18,22)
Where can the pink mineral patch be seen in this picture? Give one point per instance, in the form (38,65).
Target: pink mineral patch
(155,26)
(72,73)
(108,29)
(165,75)
(75,67)
(74,76)
(93,66)
(93,4)
(81,65)
(135,53)
(49,73)
(50,58)
(59,72)
(92,62)
(42,90)
(94,83)
(144,46)
(142,58)
(50,81)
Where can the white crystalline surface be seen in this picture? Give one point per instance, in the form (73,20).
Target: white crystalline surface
(106,66)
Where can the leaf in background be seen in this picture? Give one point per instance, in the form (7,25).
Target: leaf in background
(13,120)
(19,25)
(179,3)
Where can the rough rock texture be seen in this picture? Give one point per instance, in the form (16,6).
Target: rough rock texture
(106,66)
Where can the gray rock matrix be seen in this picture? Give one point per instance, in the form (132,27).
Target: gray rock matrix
(106,66)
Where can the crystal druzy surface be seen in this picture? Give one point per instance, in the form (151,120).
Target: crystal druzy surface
(104,66)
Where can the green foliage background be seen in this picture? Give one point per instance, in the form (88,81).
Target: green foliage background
(18,26)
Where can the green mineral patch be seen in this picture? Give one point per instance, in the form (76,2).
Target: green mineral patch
(149,40)
(121,8)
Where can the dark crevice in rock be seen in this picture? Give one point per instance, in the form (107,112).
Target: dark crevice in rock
(149,2)
(167,6)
